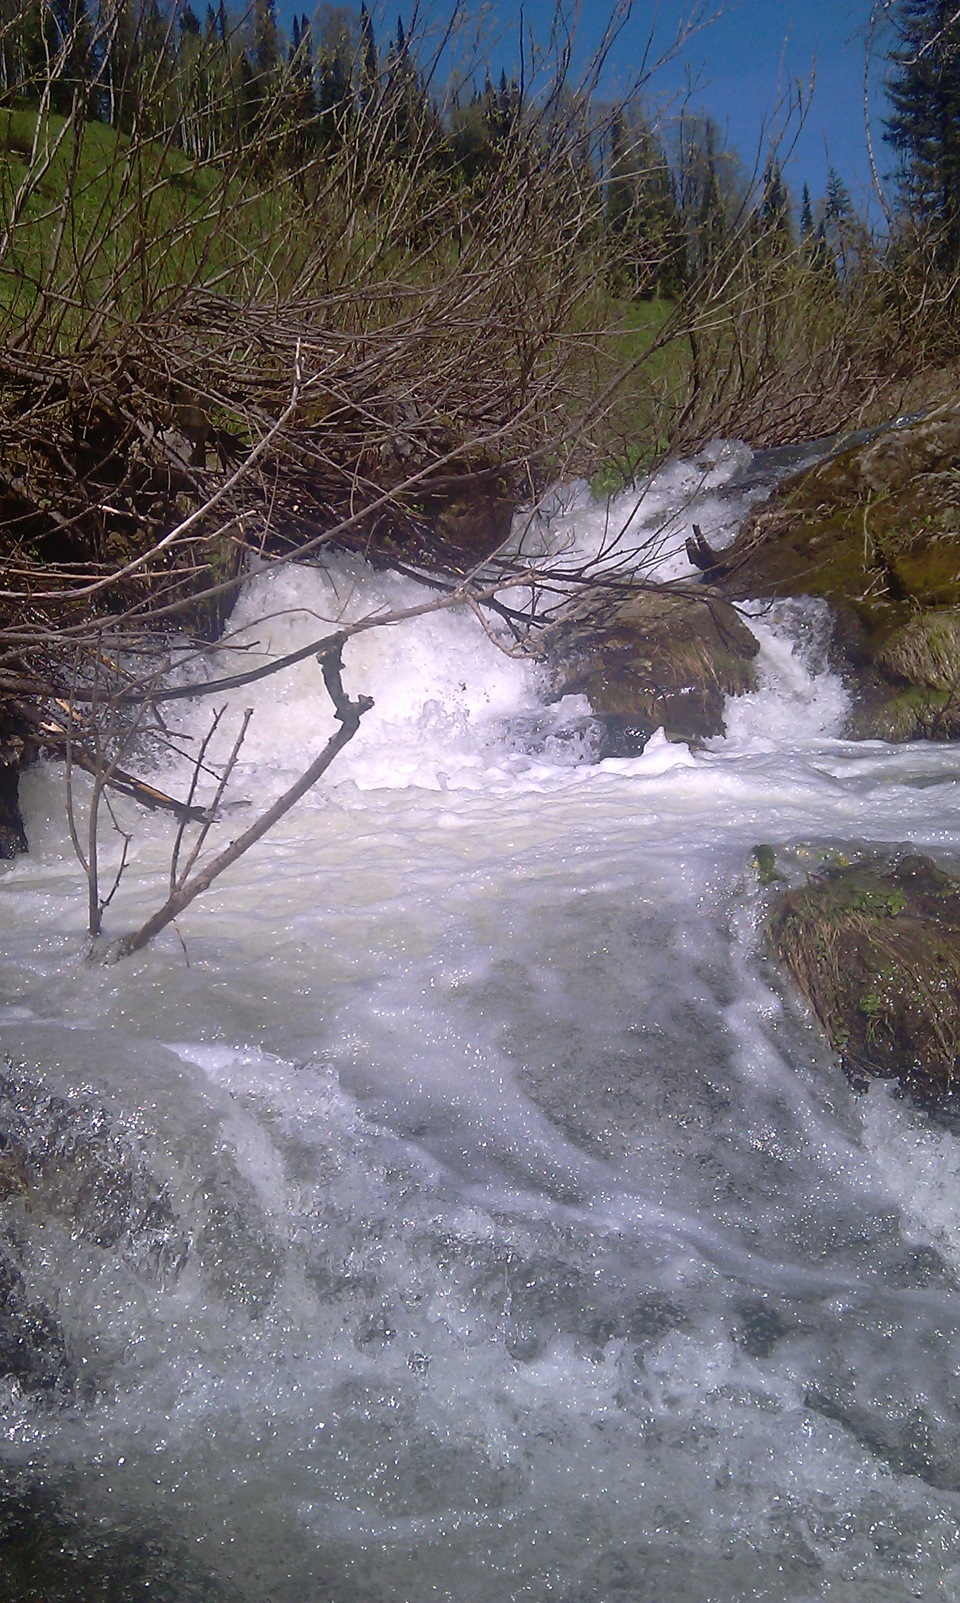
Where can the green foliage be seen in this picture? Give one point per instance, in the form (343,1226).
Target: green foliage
(765,862)
(924,125)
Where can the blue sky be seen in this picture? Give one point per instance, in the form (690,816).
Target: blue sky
(738,67)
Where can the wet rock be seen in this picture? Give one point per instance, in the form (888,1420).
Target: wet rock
(906,662)
(238,1257)
(472,511)
(33,1351)
(879,522)
(762,1327)
(51,1551)
(875,531)
(923,651)
(875,948)
(650,660)
(883,713)
(61,1157)
(13,838)
(209,595)
(911,1442)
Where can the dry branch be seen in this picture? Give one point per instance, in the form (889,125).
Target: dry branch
(348,714)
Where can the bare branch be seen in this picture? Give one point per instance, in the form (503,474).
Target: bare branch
(348,714)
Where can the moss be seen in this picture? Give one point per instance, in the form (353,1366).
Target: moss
(875,948)
(924,651)
(929,572)
(916,714)
(880,520)
(765,862)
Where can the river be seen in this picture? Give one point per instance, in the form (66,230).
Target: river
(514,1233)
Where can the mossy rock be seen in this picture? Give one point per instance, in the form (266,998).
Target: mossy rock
(923,651)
(905,715)
(875,949)
(905,665)
(880,521)
(652,660)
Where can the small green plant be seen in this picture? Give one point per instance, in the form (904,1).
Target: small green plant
(882,904)
(764,860)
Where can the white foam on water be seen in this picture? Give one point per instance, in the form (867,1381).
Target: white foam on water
(922,1165)
(643,528)
(538,1248)
(798,700)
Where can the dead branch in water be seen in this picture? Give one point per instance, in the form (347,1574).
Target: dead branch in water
(188,886)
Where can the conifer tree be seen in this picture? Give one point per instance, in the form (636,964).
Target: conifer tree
(621,190)
(775,206)
(924,125)
(404,96)
(335,54)
(369,60)
(706,184)
(838,226)
(266,43)
(69,34)
(23,40)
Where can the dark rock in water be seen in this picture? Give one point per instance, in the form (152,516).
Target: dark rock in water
(60,1160)
(650,660)
(875,948)
(60,1157)
(471,513)
(53,1552)
(63,1158)
(33,1349)
(910,676)
(13,838)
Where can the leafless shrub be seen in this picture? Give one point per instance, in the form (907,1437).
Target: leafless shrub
(225,333)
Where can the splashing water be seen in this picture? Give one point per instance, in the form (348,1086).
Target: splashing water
(514,1234)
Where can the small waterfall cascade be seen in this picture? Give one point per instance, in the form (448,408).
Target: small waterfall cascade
(459,1204)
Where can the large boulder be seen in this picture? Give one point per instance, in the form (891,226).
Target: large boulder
(877,522)
(875,948)
(651,659)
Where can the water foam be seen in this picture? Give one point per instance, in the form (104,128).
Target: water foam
(538,1249)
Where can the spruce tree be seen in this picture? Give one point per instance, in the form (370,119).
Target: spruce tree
(838,223)
(924,126)
(621,192)
(69,34)
(369,59)
(775,206)
(266,42)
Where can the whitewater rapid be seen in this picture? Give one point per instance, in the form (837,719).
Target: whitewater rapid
(521,1237)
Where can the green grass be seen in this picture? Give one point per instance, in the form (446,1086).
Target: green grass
(142,223)
(654,376)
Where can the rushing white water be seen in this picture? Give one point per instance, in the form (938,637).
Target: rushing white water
(520,1237)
